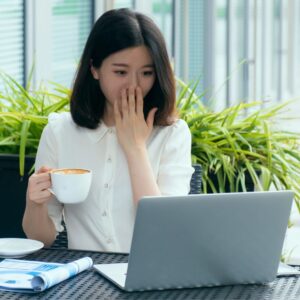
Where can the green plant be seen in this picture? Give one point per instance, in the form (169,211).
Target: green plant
(228,144)
(240,140)
(23,115)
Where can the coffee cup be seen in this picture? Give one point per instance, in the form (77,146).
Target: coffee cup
(70,185)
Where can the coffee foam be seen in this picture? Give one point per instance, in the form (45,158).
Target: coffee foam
(70,171)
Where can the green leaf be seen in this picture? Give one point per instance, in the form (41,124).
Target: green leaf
(23,139)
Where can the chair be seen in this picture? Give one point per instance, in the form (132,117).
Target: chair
(195,184)
(61,241)
(196,180)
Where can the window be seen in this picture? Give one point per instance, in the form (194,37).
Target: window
(71,24)
(162,11)
(123,3)
(190,42)
(12,51)
(241,50)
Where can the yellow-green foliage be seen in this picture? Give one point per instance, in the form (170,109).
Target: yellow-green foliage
(236,141)
(23,115)
(241,140)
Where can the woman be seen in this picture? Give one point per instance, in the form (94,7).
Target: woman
(123,127)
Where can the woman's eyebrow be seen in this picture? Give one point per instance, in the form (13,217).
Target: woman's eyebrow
(120,65)
(148,66)
(126,65)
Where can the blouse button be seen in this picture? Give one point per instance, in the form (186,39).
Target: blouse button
(109,159)
(104,214)
(106,185)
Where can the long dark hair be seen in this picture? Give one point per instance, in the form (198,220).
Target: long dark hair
(114,31)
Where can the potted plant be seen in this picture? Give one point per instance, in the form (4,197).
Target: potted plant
(23,115)
(240,146)
(237,147)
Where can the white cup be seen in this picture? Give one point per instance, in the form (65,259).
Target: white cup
(70,185)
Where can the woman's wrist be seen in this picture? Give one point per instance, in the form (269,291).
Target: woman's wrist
(136,152)
(32,205)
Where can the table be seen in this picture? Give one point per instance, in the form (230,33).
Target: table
(91,285)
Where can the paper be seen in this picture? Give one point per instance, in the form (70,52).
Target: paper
(36,276)
(286,270)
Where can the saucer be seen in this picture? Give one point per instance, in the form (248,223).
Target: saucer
(17,247)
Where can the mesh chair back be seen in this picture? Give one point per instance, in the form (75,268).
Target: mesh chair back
(61,241)
(196,181)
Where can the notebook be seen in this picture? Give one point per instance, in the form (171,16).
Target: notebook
(204,240)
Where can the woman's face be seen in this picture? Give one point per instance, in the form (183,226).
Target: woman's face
(131,67)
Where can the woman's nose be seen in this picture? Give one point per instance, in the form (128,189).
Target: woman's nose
(134,81)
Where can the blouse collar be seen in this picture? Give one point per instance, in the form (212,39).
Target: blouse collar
(97,134)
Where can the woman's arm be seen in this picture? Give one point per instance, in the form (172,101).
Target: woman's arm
(36,222)
(133,131)
(142,179)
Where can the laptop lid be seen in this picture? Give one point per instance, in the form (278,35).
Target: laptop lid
(207,240)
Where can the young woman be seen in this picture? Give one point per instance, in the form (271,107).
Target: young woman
(123,127)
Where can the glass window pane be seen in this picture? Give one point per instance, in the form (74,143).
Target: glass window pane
(123,3)
(220,59)
(71,24)
(12,39)
(162,16)
(196,40)
(190,36)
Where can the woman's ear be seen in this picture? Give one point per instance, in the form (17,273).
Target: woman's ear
(95,73)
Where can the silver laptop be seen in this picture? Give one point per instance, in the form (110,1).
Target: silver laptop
(204,240)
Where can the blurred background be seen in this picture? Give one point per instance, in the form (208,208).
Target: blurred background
(240,50)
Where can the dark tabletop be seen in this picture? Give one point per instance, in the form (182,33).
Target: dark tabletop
(91,285)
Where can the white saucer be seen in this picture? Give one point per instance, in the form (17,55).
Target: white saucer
(17,247)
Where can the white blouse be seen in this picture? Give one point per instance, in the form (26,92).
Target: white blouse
(105,220)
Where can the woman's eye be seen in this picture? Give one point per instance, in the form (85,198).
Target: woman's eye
(148,73)
(120,72)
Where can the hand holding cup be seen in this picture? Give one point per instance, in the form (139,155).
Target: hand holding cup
(70,185)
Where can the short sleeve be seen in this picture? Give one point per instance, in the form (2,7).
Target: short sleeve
(47,156)
(175,170)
